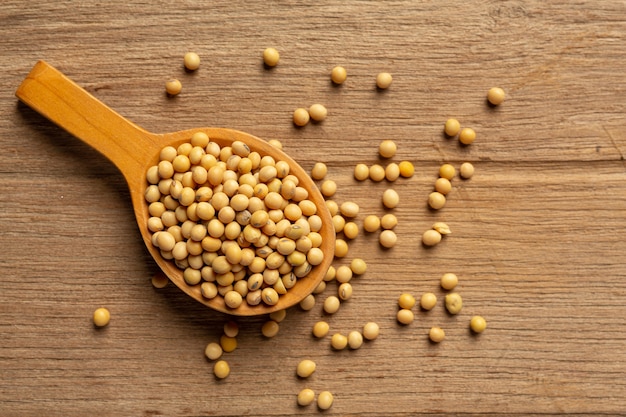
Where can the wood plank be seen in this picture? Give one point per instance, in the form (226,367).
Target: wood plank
(537,237)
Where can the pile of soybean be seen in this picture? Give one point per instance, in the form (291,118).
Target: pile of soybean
(344,222)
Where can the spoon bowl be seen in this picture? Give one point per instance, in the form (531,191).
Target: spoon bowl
(133,150)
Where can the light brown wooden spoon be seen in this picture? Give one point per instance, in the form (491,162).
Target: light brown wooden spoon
(133,150)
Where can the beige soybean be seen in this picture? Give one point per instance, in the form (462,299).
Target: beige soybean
(406,300)
(391,199)
(405,316)
(173,87)
(388,238)
(328,188)
(305,368)
(101,317)
(301,116)
(319,171)
(349,209)
(358,266)
(447,171)
(436,334)
(320,329)
(443,186)
(343,274)
(377,173)
(324,400)
(436,200)
(350,230)
(387,148)
(495,96)
(392,172)
(305,397)
(449,281)
(452,127)
(338,341)
(270,328)
(318,112)
(466,170)
(383,80)
(361,172)
(371,223)
(221,369)
(338,75)
(454,303)
(355,339)
(371,330)
(344,291)
(478,324)
(308,302)
(331,304)
(467,136)
(341,248)
(388,221)
(191,61)
(271,57)
(428,300)
(213,351)
(278,316)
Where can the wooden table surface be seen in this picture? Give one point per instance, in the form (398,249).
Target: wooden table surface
(538,232)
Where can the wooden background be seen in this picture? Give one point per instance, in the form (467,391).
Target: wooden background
(538,233)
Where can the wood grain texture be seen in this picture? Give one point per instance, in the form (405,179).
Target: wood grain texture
(538,233)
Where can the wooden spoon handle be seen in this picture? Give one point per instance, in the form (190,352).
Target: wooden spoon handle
(58,98)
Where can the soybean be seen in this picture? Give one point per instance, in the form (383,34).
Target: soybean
(377,173)
(305,368)
(324,400)
(331,304)
(339,341)
(449,281)
(495,95)
(405,316)
(306,396)
(436,334)
(101,317)
(213,351)
(454,303)
(387,148)
(478,324)
(390,198)
(270,328)
(383,80)
(406,300)
(371,331)
(173,87)
(320,329)
(319,171)
(428,300)
(467,170)
(192,61)
(436,200)
(406,169)
(388,239)
(301,117)
(271,57)
(355,339)
(221,369)
(318,112)
(467,136)
(338,75)
(452,127)
(371,223)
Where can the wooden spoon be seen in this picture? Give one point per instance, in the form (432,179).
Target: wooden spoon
(133,150)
